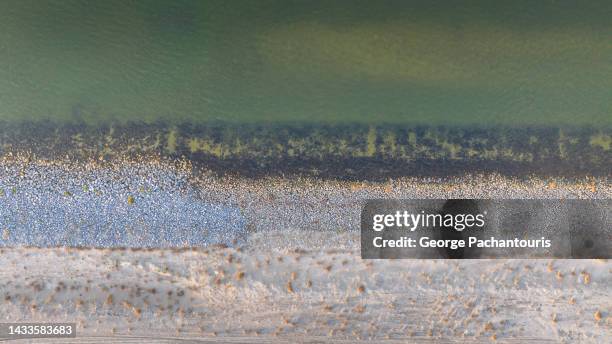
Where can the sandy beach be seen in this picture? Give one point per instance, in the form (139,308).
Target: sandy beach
(275,296)
(285,268)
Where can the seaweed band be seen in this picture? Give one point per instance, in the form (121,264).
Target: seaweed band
(329,151)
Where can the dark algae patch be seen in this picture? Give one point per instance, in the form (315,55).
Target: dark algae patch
(329,151)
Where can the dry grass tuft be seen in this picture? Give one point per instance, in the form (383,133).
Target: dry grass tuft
(79,303)
(137,312)
(586,277)
(597,316)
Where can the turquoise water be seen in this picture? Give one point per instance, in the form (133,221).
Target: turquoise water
(466,63)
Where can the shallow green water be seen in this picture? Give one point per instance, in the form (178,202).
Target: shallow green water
(307,61)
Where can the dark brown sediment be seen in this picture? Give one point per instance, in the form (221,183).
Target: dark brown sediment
(356,152)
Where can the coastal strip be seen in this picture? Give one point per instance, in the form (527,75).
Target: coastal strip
(351,151)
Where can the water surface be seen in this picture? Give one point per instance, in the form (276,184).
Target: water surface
(465,63)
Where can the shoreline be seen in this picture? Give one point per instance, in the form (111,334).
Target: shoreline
(341,152)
